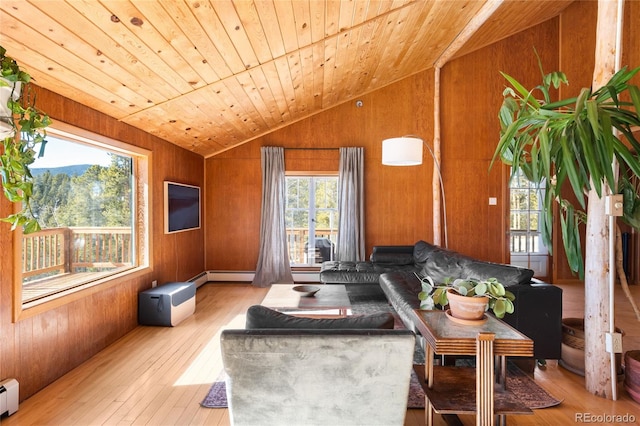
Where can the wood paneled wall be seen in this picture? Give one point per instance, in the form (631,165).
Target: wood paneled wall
(39,349)
(233,179)
(472,95)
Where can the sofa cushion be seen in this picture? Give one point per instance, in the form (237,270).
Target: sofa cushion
(262,317)
(442,264)
(401,289)
(393,258)
(508,275)
(347,272)
(422,250)
(392,255)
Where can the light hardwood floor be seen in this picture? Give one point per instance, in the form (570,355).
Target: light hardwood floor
(159,375)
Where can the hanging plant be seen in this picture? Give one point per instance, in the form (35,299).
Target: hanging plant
(23,129)
(572,140)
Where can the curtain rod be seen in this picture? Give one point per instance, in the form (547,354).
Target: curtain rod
(312,149)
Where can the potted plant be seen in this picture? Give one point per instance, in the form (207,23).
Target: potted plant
(489,294)
(587,144)
(23,133)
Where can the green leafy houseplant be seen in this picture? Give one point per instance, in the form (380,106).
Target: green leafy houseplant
(24,135)
(500,299)
(574,140)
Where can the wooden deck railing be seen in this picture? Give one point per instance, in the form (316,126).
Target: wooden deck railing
(66,250)
(524,242)
(78,249)
(297,239)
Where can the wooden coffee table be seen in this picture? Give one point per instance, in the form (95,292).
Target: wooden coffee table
(332,300)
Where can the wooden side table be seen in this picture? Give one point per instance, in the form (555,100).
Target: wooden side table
(452,390)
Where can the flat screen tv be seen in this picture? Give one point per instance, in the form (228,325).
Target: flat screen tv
(181,207)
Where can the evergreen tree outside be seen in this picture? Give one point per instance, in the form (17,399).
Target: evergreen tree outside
(99,197)
(93,196)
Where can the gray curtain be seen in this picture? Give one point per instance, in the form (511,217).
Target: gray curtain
(350,245)
(273,259)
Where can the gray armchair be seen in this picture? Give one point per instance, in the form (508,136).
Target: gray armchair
(317,377)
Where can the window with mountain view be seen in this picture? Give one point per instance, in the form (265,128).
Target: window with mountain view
(85,198)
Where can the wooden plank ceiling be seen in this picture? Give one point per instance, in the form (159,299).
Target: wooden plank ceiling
(209,75)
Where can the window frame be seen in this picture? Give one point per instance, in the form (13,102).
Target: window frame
(141,209)
(313,175)
(541,189)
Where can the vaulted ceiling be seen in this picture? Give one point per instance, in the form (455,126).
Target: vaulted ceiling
(208,75)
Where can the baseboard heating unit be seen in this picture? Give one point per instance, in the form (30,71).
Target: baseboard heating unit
(9,397)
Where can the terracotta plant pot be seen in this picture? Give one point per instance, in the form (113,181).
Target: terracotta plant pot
(467,308)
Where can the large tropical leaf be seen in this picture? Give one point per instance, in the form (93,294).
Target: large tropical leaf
(577,141)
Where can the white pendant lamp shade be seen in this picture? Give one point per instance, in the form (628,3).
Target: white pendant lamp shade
(403,151)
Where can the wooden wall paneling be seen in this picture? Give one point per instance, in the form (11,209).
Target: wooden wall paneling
(188,168)
(397,210)
(631,41)
(471,93)
(27,376)
(7,335)
(233,217)
(64,357)
(43,330)
(399,203)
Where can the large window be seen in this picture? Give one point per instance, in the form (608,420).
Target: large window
(526,244)
(312,218)
(89,201)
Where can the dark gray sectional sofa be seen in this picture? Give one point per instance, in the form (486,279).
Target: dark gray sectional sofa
(538,305)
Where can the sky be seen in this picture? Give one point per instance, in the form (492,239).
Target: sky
(59,153)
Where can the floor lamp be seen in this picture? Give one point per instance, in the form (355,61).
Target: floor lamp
(407,151)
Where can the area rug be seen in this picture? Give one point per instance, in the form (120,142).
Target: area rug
(217,396)
(527,390)
(518,382)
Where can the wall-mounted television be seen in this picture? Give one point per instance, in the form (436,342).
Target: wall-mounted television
(181,207)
